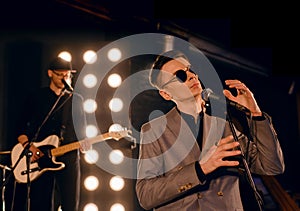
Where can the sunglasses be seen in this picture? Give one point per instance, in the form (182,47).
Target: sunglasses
(179,75)
(62,75)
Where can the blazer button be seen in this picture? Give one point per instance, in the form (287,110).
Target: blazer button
(220,193)
(181,189)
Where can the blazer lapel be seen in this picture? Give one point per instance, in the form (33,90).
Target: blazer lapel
(185,138)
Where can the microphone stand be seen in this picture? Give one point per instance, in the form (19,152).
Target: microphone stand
(245,164)
(4,168)
(26,152)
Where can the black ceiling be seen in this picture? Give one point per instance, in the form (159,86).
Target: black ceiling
(259,34)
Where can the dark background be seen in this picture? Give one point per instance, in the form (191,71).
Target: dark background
(250,41)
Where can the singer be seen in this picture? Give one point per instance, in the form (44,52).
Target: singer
(185,155)
(46,112)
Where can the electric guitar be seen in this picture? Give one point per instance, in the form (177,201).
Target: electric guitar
(49,146)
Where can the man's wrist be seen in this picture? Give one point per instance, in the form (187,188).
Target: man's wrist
(259,116)
(254,114)
(200,173)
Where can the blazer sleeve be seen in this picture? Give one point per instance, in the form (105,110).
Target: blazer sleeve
(265,156)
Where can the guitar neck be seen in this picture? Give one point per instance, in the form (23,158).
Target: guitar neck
(76,145)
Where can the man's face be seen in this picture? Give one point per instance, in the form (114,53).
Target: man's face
(178,88)
(57,76)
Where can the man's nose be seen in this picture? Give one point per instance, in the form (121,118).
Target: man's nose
(191,75)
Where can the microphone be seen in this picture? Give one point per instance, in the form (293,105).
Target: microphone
(67,86)
(208,94)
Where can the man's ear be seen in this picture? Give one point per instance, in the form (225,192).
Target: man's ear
(165,95)
(50,73)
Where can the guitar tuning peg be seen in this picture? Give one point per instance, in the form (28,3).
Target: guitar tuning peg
(129,134)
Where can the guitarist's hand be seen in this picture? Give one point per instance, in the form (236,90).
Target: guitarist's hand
(36,153)
(85,146)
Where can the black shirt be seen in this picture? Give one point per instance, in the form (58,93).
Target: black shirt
(196,126)
(35,113)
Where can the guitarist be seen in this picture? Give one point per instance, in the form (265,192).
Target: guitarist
(51,111)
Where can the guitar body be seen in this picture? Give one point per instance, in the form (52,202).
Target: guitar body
(51,150)
(45,163)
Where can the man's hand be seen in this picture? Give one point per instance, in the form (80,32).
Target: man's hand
(214,158)
(36,153)
(244,96)
(85,146)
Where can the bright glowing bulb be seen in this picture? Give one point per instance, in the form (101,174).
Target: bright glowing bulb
(90,80)
(90,105)
(91,183)
(91,131)
(90,207)
(115,127)
(116,183)
(117,207)
(91,156)
(90,57)
(114,80)
(114,54)
(65,55)
(116,156)
(116,104)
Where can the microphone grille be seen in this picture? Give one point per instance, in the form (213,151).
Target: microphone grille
(205,94)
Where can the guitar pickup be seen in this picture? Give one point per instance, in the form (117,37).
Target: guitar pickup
(30,170)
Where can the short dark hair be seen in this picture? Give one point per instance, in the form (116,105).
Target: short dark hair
(160,61)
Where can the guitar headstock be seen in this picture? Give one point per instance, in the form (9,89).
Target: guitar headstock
(117,135)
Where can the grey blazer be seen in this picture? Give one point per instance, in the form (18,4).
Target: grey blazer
(167,156)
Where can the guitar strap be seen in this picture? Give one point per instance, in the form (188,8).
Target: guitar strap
(65,111)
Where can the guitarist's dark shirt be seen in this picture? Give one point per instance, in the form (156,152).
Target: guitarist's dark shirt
(67,121)
(60,122)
